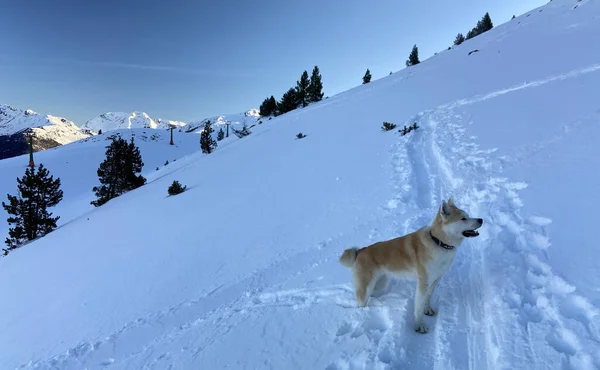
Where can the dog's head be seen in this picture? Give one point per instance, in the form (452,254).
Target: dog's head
(455,222)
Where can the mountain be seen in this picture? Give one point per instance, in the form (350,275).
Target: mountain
(48,131)
(238,120)
(241,270)
(121,120)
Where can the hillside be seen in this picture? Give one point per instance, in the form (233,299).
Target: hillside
(48,131)
(241,271)
(121,120)
(76,165)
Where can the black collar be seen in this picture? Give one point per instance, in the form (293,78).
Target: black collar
(440,243)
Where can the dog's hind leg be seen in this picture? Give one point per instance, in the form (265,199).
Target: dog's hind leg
(428,310)
(363,286)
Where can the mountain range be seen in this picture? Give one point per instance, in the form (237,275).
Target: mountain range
(49,131)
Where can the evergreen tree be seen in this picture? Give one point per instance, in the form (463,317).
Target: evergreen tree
(413,58)
(29,209)
(483,25)
(176,188)
(119,172)
(471,34)
(273,105)
(220,134)
(268,106)
(264,108)
(288,102)
(367,77)
(207,143)
(459,39)
(315,88)
(301,89)
(486,23)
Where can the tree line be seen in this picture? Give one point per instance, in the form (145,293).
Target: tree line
(307,90)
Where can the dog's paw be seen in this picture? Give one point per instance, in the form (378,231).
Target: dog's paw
(361,304)
(429,311)
(421,328)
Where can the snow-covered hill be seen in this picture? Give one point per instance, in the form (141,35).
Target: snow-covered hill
(76,165)
(241,271)
(120,120)
(48,131)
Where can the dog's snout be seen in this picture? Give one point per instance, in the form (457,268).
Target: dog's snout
(480,220)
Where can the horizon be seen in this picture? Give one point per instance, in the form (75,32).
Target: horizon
(98,61)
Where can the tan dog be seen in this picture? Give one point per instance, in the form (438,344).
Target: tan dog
(424,255)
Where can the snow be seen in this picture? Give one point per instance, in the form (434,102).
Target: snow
(241,270)
(120,120)
(61,130)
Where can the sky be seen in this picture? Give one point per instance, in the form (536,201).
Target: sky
(188,60)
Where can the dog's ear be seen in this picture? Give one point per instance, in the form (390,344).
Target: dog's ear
(444,210)
(451,202)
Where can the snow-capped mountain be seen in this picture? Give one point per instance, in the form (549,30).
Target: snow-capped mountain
(122,120)
(48,131)
(247,118)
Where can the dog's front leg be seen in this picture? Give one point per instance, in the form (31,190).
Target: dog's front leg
(420,296)
(428,310)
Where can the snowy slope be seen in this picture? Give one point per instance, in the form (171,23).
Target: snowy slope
(61,130)
(76,165)
(121,120)
(241,270)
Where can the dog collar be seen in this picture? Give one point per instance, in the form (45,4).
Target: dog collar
(440,243)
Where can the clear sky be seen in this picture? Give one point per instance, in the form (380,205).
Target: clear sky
(187,60)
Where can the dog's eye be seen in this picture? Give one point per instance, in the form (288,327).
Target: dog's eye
(463,219)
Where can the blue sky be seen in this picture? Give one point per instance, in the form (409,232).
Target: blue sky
(187,60)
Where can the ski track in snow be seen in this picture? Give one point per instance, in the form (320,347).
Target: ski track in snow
(491,305)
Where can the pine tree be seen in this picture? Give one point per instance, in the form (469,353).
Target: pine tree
(471,34)
(486,22)
(28,210)
(413,58)
(220,134)
(273,105)
(288,102)
(119,172)
(301,89)
(367,77)
(176,188)
(264,108)
(315,88)
(268,106)
(207,143)
(459,39)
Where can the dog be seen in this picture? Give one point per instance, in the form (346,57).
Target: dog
(423,255)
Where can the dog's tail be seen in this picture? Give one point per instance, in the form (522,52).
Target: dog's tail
(348,257)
